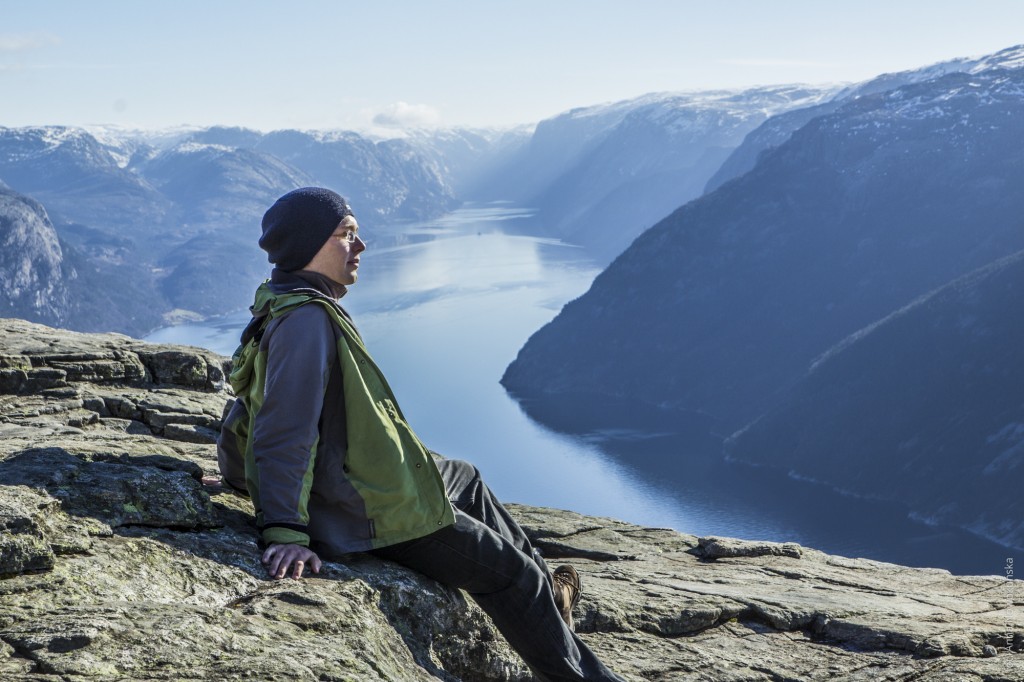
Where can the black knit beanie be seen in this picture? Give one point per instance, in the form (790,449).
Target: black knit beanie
(299,223)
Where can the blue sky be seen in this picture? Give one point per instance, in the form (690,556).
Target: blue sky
(305,64)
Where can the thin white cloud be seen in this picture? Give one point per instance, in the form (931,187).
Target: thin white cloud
(405,115)
(10,42)
(778,62)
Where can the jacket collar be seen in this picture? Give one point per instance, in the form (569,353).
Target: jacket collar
(284,290)
(283,282)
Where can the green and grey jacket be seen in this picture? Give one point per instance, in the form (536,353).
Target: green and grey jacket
(316,435)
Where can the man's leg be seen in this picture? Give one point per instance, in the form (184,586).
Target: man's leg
(511,588)
(468,493)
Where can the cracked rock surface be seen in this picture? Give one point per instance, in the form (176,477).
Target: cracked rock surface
(117,563)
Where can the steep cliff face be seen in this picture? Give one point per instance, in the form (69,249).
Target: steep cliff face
(31,262)
(117,562)
(45,279)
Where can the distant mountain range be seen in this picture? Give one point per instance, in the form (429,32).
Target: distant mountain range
(599,176)
(849,211)
(180,211)
(181,208)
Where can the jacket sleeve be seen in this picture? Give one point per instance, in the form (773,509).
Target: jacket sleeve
(301,350)
(231,453)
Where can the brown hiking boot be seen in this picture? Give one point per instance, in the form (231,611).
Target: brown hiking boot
(567,587)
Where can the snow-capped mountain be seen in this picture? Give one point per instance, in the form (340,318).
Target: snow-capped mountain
(79,179)
(777,129)
(213,185)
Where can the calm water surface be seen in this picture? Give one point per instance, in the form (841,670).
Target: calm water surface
(444,307)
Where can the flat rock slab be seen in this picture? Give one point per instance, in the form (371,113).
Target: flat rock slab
(149,490)
(46,359)
(857,604)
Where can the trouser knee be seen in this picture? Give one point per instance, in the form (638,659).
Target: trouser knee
(462,481)
(459,469)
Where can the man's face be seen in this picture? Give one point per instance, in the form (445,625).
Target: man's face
(338,258)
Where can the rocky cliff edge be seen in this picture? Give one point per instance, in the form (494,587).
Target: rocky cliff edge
(118,563)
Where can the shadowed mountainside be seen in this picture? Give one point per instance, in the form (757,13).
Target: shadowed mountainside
(925,406)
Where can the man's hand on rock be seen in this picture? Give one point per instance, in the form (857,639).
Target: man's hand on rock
(279,558)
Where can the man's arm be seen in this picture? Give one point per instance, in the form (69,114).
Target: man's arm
(301,350)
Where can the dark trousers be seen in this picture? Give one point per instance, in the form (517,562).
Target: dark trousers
(487,554)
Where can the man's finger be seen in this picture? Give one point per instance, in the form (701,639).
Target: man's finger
(316,564)
(281,565)
(278,564)
(299,566)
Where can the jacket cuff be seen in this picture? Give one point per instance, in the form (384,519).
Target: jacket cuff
(276,535)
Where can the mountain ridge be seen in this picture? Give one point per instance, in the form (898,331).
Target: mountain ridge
(778,128)
(598,176)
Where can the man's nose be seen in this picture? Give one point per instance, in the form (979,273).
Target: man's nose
(359,246)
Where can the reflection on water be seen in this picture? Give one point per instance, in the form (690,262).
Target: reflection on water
(444,306)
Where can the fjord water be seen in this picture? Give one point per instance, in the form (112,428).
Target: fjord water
(444,306)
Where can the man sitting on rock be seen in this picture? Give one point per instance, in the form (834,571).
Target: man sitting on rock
(317,439)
